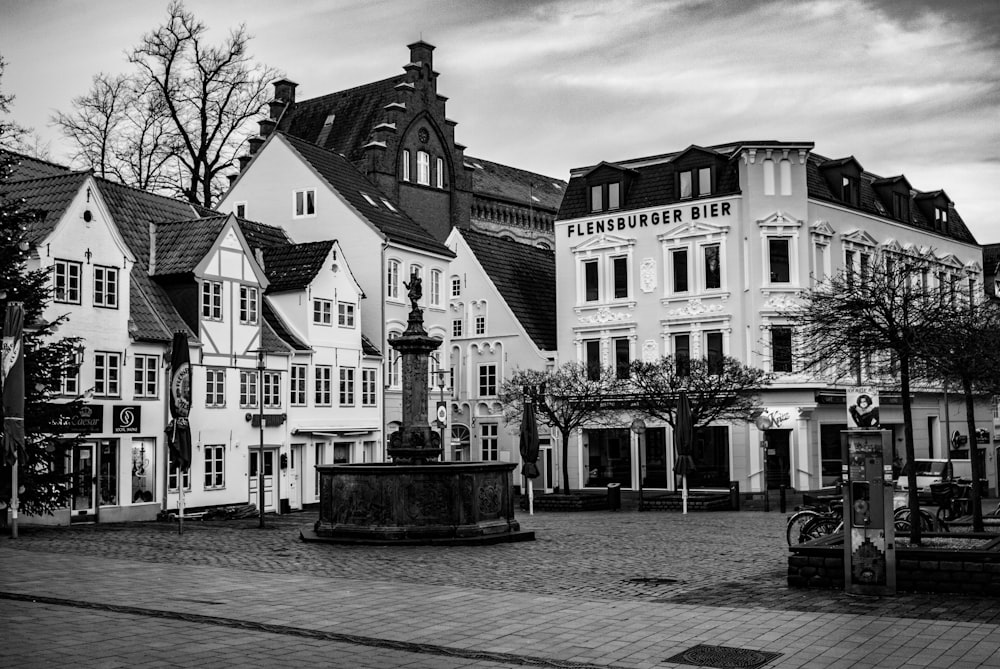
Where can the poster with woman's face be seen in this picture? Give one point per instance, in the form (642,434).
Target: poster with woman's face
(862,408)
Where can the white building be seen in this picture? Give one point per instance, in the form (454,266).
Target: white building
(705,252)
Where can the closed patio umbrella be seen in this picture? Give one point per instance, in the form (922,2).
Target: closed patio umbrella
(529,448)
(684,443)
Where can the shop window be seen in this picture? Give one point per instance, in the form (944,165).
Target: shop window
(143,470)
(108,478)
(609,457)
(711,458)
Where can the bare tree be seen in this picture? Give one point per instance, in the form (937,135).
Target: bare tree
(720,391)
(181,120)
(566,398)
(875,317)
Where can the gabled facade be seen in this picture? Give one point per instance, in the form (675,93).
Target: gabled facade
(314,195)
(396,132)
(501,300)
(706,252)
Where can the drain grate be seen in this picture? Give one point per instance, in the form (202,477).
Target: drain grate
(651,580)
(723,657)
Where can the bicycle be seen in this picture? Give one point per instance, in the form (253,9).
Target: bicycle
(902,521)
(811,521)
(953,500)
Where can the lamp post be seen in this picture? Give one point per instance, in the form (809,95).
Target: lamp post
(261,366)
(442,410)
(764,423)
(639,427)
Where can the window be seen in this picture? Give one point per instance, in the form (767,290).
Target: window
(713,343)
(439,173)
(850,190)
(146,372)
(456,286)
(622,358)
(305,203)
(592,358)
(781,349)
(713,268)
(297,385)
(591,281)
(322,312)
(215,467)
(248,305)
(108,473)
(682,354)
(487,380)
(597,198)
(392,280)
(107,372)
(66,277)
(901,206)
(241,209)
(619,274)
(456,328)
(248,388)
(940,218)
(405,165)
(69,384)
(394,365)
(346,387)
(679,263)
(143,470)
(345,314)
(435,288)
(694,182)
(480,325)
(423,168)
(105,287)
(368,388)
(614,196)
(215,387)
(172,472)
(849,267)
(705,181)
(778,260)
(864,265)
(211,300)
(272,390)
(685,184)
(324,385)
(489,442)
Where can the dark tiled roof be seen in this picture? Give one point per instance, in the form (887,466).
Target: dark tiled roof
(46,197)
(27,167)
(526,278)
(345,178)
(991,258)
(261,235)
(293,267)
(819,188)
(357,111)
(368,348)
(151,316)
(513,185)
(277,335)
(181,245)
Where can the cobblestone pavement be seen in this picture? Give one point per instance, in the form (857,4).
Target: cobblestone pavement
(717,559)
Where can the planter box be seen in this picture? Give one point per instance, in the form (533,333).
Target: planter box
(820,564)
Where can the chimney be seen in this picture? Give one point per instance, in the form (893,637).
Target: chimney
(152,249)
(284,91)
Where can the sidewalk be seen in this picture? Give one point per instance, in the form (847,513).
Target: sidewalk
(595,589)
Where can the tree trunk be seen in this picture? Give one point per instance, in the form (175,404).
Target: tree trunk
(911,476)
(565,459)
(970,417)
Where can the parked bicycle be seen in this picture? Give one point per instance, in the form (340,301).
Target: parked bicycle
(814,519)
(902,521)
(953,499)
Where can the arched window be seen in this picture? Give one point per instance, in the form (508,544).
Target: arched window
(435,288)
(392,279)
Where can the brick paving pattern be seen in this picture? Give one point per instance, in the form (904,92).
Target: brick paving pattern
(623,589)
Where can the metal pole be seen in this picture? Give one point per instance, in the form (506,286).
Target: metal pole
(260,453)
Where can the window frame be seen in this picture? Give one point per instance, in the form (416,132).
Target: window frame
(457,327)
(369,387)
(298,385)
(621,348)
(423,168)
(489,442)
(63,279)
(393,268)
(771,240)
(487,374)
(214,467)
(346,315)
(211,300)
(145,386)
(249,390)
(346,387)
(249,304)
(480,325)
(405,163)
(322,312)
(107,373)
(456,286)
(785,364)
(272,389)
(435,288)
(304,203)
(106,296)
(439,173)
(215,387)
(323,385)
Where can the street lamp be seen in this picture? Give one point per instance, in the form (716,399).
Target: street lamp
(442,409)
(261,366)
(764,422)
(639,427)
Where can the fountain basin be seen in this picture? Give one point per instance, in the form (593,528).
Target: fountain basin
(434,503)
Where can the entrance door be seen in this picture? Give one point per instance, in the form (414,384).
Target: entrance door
(84,477)
(269,501)
(544,482)
(778,463)
(654,452)
(293,482)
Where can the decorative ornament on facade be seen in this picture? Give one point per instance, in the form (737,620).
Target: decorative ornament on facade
(782,302)
(650,351)
(694,307)
(605,315)
(647,275)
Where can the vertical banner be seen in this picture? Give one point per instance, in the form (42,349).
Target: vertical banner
(12,382)
(179,430)
(862,408)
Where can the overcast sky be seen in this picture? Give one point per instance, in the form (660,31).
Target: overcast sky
(905,86)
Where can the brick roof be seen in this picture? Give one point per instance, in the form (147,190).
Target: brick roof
(341,175)
(526,278)
(510,184)
(293,267)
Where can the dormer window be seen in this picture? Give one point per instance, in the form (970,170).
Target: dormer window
(901,206)
(940,218)
(695,182)
(605,197)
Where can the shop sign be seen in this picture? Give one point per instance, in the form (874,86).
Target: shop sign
(89,419)
(126,419)
(654,219)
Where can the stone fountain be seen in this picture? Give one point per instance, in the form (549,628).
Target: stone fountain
(416,499)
